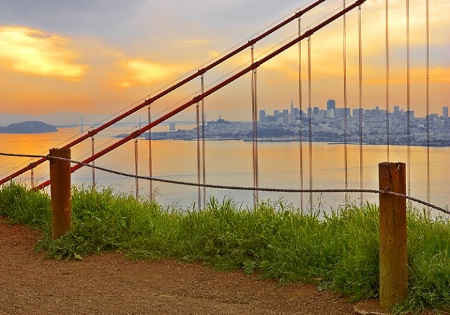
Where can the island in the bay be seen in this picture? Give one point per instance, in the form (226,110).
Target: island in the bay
(28,127)
(333,125)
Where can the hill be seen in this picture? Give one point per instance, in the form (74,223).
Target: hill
(28,127)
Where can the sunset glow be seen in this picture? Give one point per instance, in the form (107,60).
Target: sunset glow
(140,72)
(38,53)
(78,60)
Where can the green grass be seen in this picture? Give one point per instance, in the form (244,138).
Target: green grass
(338,251)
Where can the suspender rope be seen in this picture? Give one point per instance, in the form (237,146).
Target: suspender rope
(93,161)
(310,125)
(408,99)
(203,140)
(300,102)
(344,55)
(150,164)
(361,161)
(388,135)
(136,165)
(197,111)
(255,133)
(428,100)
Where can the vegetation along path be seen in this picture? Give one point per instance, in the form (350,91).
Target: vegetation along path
(122,256)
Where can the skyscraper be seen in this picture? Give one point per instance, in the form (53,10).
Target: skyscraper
(262,116)
(331,104)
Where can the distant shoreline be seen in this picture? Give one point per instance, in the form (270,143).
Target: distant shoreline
(281,140)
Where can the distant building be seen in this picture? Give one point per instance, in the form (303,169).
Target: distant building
(356,112)
(410,113)
(262,116)
(316,111)
(285,116)
(396,111)
(347,112)
(331,105)
(330,113)
(445,115)
(341,112)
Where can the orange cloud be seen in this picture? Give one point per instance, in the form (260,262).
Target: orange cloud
(36,52)
(191,42)
(140,72)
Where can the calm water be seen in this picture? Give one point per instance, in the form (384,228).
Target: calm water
(230,163)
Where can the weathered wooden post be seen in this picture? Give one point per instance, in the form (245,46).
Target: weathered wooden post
(60,190)
(393,235)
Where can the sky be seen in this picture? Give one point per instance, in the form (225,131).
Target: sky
(103,56)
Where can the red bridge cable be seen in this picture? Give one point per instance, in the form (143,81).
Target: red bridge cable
(344,56)
(254,130)
(300,105)
(408,98)
(361,159)
(212,90)
(202,90)
(310,151)
(428,97)
(387,84)
(150,161)
(169,89)
(136,166)
(93,162)
(199,192)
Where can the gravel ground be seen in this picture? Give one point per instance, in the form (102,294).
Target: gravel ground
(111,284)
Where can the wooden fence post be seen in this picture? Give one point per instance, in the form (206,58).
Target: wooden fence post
(60,190)
(393,235)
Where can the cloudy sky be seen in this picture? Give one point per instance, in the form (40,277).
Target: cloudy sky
(101,56)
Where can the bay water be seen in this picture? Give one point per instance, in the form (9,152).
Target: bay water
(230,163)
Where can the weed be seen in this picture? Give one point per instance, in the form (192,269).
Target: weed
(338,250)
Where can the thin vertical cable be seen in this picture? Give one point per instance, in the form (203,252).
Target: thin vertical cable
(361,161)
(150,157)
(32,178)
(428,99)
(344,56)
(388,131)
(198,156)
(300,102)
(255,133)
(310,126)
(136,166)
(203,140)
(255,118)
(93,162)
(408,98)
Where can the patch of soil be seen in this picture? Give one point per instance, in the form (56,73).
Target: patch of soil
(111,284)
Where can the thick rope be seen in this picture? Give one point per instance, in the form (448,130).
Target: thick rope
(282,190)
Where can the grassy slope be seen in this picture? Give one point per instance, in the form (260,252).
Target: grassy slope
(338,251)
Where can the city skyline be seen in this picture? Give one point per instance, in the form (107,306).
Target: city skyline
(339,112)
(325,125)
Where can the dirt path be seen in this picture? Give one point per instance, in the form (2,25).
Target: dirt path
(110,284)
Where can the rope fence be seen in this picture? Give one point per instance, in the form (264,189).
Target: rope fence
(227,187)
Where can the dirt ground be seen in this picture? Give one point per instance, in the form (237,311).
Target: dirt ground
(111,284)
